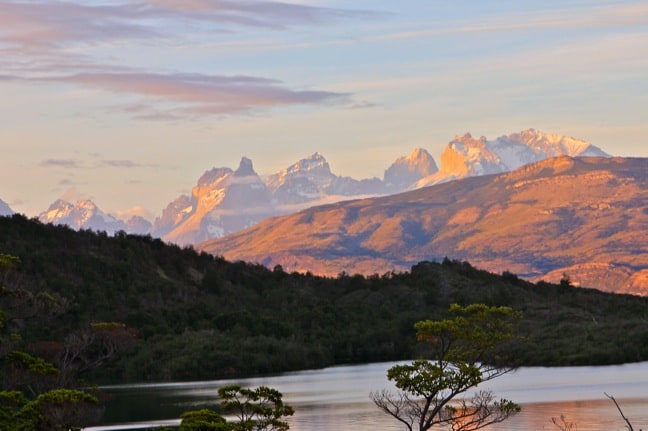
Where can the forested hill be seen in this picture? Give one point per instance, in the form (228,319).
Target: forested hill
(199,316)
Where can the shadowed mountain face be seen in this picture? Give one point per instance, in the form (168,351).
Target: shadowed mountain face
(5,210)
(587,217)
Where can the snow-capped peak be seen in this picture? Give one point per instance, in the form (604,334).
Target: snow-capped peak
(304,176)
(466,156)
(83,215)
(314,163)
(553,145)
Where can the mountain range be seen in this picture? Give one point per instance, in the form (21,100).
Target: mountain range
(584,217)
(225,201)
(505,205)
(85,214)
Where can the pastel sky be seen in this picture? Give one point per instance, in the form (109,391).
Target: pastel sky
(129,102)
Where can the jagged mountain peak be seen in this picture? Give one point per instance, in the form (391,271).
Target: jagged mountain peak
(417,153)
(225,200)
(468,139)
(552,145)
(84,214)
(467,156)
(245,168)
(86,204)
(315,163)
(406,170)
(213,175)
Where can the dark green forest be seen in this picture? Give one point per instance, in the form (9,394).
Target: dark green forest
(175,314)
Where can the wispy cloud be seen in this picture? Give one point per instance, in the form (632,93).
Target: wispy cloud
(567,18)
(122,164)
(43,41)
(197,94)
(101,163)
(61,163)
(46,23)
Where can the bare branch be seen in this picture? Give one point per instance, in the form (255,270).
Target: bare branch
(628,424)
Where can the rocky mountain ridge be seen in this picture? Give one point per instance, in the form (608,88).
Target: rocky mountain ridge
(586,217)
(224,201)
(466,156)
(85,214)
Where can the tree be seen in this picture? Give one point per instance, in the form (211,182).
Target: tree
(260,409)
(203,420)
(466,351)
(35,395)
(60,410)
(91,347)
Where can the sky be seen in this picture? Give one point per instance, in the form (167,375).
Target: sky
(127,103)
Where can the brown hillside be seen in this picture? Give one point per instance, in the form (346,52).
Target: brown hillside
(587,217)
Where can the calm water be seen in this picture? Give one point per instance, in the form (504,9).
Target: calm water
(337,398)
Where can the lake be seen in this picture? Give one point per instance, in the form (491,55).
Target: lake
(337,398)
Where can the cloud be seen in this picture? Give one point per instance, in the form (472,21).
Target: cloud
(39,24)
(196,94)
(53,42)
(568,18)
(107,163)
(122,164)
(61,163)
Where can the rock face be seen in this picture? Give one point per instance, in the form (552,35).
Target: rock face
(225,201)
(540,220)
(222,201)
(406,171)
(304,181)
(4,209)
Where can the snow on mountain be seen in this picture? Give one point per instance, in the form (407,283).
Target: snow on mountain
(311,180)
(405,171)
(4,209)
(301,182)
(223,201)
(82,215)
(466,156)
(226,201)
(528,146)
(174,214)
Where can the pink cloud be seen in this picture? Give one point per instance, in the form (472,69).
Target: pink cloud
(46,24)
(199,94)
(36,37)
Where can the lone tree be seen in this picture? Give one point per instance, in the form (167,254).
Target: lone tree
(466,351)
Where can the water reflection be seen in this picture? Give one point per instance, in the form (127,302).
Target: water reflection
(338,398)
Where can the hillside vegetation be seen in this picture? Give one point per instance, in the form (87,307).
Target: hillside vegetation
(200,317)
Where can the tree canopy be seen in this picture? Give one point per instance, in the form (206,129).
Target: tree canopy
(465,351)
(258,409)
